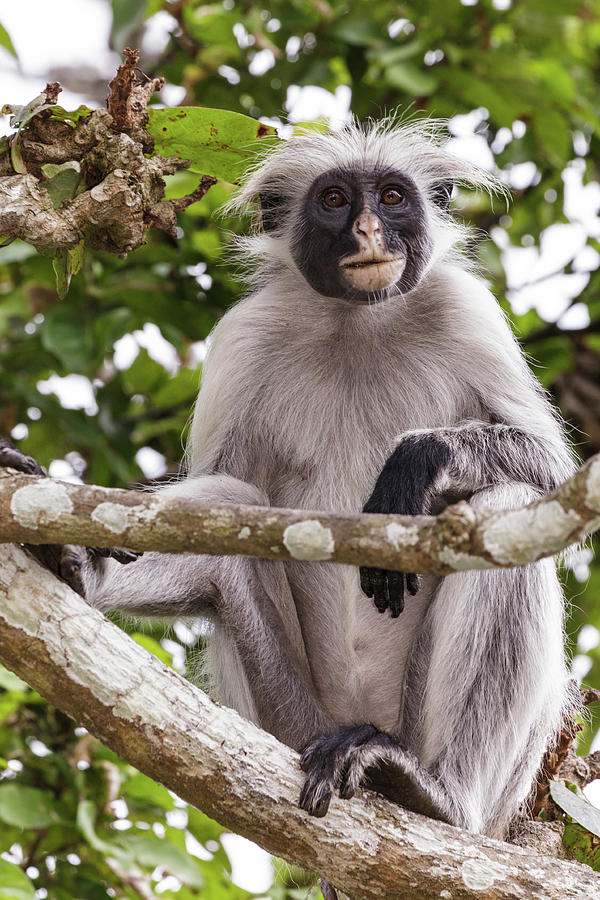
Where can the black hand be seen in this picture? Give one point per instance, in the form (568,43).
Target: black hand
(387,588)
(401,489)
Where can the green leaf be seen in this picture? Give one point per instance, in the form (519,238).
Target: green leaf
(76,257)
(20,115)
(358,32)
(11,682)
(70,116)
(412,79)
(16,157)
(62,181)
(577,807)
(582,844)
(128,15)
(64,334)
(179,389)
(152,852)
(143,375)
(61,263)
(5,40)
(14,884)
(552,132)
(86,817)
(203,828)
(27,807)
(143,790)
(216,141)
(153,646)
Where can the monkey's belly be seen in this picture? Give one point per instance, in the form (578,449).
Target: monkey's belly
(357,655)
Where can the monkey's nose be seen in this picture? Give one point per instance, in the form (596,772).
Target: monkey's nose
(367,224)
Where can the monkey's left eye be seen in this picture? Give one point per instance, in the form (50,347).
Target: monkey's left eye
(333,198)
(391,196)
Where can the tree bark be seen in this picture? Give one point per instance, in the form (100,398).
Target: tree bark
(240,775)
(38,510)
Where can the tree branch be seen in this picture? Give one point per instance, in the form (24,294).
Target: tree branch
(238,774)
(124,186)
(38,510)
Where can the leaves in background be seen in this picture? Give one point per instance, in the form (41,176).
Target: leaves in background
(216,141)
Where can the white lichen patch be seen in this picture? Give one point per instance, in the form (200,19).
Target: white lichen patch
(462,562)
(308,540)
(402,535)
(40,503)
(480,874)
(520,535)
(425,840)
(113,516)
(592,486)
(244,533)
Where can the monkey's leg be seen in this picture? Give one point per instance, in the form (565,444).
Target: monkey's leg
(259,661)
(487,683)
(485,692)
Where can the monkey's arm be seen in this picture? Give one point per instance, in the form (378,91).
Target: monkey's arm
(435,467)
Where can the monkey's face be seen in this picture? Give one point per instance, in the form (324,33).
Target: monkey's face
(363,234)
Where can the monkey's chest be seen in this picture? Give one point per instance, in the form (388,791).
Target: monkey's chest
(328,430)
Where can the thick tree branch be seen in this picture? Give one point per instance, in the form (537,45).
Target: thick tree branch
(240,775)
(38,510)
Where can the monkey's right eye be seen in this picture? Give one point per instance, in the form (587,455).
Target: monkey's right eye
(333,198)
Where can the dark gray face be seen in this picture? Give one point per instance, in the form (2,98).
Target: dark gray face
(363,234)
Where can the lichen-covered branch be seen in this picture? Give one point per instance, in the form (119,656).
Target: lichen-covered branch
(38,510)
(240,775)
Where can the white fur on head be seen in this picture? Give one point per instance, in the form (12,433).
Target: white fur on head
(288,171)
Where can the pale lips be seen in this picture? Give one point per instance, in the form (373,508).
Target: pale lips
(373,274)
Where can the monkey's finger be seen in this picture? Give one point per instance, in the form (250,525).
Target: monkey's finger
(366,584)
(122,556)
(396,587)
(315,796)
(352,777)
(413,583)
(126,556)
(71,561)
(381,595)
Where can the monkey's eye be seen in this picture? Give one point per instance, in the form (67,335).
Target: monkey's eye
(391,196)
(333,198)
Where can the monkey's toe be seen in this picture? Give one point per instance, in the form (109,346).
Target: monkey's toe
(324,760)
(315,796)
(383,766)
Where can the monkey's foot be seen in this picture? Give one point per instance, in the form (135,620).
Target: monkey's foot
(387,588)
(362,756)
(383,766)
(63,560)
(325,760)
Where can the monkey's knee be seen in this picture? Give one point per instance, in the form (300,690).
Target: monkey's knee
(219,489)
(505,496)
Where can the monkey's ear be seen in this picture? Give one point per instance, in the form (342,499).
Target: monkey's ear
(271,208)
(441,194)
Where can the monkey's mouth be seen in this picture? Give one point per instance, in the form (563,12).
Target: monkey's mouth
(373,274)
